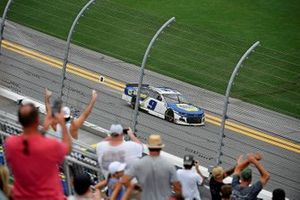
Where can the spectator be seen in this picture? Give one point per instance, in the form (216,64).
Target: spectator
(114,148)
(155,174)
(34,158)
(278,194)
(176,197)
(4,182)
(190,180)
(216,181)
(241,189)
(72,125)
(226,191)
(116,170)
(83,188)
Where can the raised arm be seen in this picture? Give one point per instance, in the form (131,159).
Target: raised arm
(133,136)
(241,164)
(229,172)
(264,174)
(197,165)
(48,94)
(48,118)
(77,123)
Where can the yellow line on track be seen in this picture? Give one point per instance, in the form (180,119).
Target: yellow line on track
(58,64)
(117,85)
(258,135)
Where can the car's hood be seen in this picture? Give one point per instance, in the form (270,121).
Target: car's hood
(185,108)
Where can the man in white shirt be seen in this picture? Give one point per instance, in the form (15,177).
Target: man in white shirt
(190,179)
(115,148)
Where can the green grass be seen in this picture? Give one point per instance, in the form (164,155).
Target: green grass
(201,48)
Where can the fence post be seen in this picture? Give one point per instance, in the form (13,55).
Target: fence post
(166,24)
(3,22)
(224,115)
(75,22)
(68,176)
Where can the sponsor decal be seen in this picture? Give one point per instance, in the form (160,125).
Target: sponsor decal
(188,108)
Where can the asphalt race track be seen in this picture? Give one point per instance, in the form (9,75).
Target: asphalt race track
(29,76)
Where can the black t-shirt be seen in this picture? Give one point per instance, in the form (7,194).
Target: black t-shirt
(215,188)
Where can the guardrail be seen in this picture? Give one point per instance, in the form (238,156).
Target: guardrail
(178,162)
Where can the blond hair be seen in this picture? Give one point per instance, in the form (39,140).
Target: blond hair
(4,180)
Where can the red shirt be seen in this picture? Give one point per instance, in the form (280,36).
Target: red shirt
(36,175)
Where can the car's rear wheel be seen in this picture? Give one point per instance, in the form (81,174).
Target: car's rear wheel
(169,115)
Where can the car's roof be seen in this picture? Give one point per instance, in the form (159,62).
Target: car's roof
(165,90)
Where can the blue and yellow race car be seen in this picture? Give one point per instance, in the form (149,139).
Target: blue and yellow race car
(165,103)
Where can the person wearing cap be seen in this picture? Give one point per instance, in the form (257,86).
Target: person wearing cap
(73,125)
(115,148)
(156,176)
(242,178)
(216,181)
(190,179)
(116,171)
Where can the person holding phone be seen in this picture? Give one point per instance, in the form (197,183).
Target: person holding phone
(115,148)
(190,179)
(73,125)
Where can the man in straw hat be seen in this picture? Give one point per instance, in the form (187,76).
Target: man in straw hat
(156,175)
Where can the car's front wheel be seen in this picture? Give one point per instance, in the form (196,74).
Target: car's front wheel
(169,115)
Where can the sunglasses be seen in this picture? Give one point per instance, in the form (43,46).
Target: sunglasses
(25,149)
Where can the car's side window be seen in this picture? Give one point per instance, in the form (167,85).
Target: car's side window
(159,98)
(152,94)
(152,104)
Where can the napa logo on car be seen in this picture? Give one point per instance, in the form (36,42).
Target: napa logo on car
(187,107)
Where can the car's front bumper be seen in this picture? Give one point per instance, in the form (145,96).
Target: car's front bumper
(195,121)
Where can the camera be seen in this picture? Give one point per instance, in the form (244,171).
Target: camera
(125,131)
(56,107)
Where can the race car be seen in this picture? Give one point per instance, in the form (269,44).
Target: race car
(165,103)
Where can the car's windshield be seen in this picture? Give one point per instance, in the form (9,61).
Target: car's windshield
(175,98)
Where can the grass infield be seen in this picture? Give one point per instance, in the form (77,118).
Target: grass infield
(201,48)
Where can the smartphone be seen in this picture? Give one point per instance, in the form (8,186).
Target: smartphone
(125,131)
(56,107)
